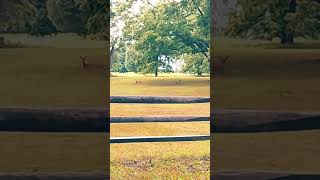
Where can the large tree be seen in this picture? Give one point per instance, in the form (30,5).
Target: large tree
(283,19)
(168,30)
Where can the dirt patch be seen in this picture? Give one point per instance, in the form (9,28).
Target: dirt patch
(192,165)
(139,165)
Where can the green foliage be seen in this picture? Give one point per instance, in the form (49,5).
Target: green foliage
(95,15)
(41,24)
(132,60)
(65,15)
(18,12)
(283,19)
(118,61)
(195,63)
(165,32)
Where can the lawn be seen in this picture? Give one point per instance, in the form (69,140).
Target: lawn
(187,160)
(268,79)
(52,152)
(254,78)
(51,78)
(293,152)
(271,79)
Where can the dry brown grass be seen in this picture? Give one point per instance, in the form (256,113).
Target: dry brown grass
(187,160)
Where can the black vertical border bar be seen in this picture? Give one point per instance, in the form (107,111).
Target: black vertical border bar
(211,48)
(107,97)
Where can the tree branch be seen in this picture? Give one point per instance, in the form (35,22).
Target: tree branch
(199,10)
(151,4)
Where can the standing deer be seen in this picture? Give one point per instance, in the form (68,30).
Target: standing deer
(219,63)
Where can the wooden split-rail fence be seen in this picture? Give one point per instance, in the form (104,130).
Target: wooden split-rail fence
(158,100)
(96,119)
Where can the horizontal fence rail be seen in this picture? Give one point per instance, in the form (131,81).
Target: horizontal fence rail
(54,120)
(158,139)
(263,121)
(159,99)
(159,119)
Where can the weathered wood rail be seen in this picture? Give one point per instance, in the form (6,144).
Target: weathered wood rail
(158,139)
(97,120)
(263,121)
(53,120)
(158,119)
(158,100)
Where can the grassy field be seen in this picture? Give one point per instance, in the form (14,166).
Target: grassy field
(272,79)
(254,78)
(187,160)
(268,79)
(52,152)
(296,152)
(51,78)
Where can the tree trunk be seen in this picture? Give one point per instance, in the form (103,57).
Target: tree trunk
(288,37)
(156,72)
(110,58)
(2,44)
(156,67)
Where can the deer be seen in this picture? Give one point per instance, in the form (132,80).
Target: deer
(219,63)
(86,65)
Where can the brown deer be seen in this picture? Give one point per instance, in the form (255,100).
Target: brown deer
(98,65)
(219,63)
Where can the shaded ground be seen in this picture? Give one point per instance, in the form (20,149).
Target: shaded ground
(50,77)
(53,152)
(274,151)
(274,80)
(268,79)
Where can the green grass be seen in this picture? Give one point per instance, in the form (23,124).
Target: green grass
(50,77)
(52,152)
(179,85)
(277,151)
(186,160)
(262,77)
(268,79)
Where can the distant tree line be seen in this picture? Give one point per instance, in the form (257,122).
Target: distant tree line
(269,19)
(48,17)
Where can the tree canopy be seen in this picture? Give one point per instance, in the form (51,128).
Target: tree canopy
(161,33)
(283,19)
